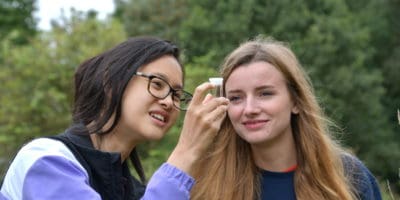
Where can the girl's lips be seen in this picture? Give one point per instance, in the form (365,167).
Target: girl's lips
(254,124)
(159,117)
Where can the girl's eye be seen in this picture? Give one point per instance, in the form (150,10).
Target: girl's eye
(266,93)
(234,98)
(177,95)
(158,84)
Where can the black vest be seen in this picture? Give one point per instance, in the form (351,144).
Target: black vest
(107,176)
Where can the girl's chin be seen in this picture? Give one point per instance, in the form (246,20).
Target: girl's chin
(254,139)
(155,136)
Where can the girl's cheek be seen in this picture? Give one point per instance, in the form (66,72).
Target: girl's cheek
(233,112)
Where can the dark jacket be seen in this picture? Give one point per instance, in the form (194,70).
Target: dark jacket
(111,179)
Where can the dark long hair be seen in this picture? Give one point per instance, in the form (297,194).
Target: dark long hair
(100,83)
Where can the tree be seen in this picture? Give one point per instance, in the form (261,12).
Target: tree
(36,90)
(16,18)
(164,15)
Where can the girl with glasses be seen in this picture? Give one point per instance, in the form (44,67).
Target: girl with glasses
(275,142)
(127,95)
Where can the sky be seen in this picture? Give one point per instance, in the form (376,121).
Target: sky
(51,9)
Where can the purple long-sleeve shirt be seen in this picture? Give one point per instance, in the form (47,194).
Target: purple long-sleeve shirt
(46,169)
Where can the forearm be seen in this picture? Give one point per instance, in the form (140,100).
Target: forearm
(169,182)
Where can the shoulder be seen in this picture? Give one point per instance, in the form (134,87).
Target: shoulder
(360,177)
(40,159)
(45,146)
(355,168)
(41,148)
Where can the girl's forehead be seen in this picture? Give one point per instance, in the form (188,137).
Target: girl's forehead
(255,73)
(166,67)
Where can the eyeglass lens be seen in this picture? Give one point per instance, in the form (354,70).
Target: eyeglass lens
(161,89)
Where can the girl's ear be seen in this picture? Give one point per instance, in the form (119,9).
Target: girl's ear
(295,110)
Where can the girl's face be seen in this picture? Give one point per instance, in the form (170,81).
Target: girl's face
(145,117)
(260,105)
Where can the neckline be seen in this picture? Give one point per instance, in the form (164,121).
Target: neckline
(287,172)
(276,175)
(290,169)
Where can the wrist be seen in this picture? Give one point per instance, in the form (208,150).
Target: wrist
(182,160)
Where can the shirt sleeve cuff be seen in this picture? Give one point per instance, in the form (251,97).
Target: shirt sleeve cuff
(182,178)
(169,181)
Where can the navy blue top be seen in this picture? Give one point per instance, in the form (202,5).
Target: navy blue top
(280,185)
(277,185)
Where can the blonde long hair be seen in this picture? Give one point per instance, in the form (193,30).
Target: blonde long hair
(228,171)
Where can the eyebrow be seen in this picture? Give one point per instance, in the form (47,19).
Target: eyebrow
(257,88)
(176,87)
(265,87)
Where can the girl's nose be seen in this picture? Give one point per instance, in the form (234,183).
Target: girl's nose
(167,102)
(251,107)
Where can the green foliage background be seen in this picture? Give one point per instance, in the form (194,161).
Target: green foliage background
(351,50)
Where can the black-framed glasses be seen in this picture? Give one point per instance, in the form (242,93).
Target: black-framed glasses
(160,89)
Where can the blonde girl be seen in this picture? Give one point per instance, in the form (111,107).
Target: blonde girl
(275,142)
